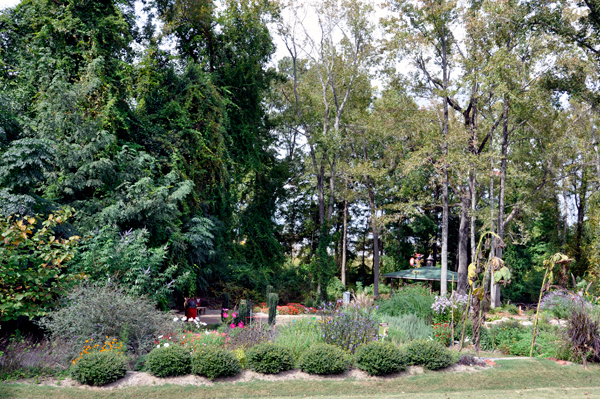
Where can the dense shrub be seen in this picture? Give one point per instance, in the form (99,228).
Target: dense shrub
(409,300)
(429,354)
(168,361)
(379,358)
(270,358)
(99,368)
(91,311)
(213,362)
(348,327)
(299,336)
(324,359)
(407,327)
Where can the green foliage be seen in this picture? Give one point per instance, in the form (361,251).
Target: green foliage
(213,362)
(91,311)
(99,368)
(299,336)
(415,300)
(126,260)
(323,359)
(379,358)
(430,354)
(270,358)
(32,264)
(169,361)
(407,327)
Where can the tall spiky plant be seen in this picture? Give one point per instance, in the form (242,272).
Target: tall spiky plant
(272,300)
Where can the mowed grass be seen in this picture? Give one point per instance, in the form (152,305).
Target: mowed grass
(533,378)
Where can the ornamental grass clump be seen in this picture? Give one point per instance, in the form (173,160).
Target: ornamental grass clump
(213,362)
(348,327)
(270,358)
(380,358)
(413,299)
(429,354)
(168,361)
(99,368)
(582,334)
(323,359)
(407,328)
(299,336)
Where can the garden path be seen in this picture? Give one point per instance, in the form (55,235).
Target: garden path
(214,317)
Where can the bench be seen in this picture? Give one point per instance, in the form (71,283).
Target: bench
(201,310)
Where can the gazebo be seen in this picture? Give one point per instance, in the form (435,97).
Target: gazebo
(426,273)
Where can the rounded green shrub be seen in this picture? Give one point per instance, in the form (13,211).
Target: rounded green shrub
(213,362)
(324,359)
(269,358)
(430,354)
(168,361)
(379,358)
(99,368)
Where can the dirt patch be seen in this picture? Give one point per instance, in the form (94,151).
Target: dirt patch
(138,378)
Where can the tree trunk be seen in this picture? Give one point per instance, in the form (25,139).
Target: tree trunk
(595,143)
(444,272)
(580,217)
(344,241)
(375,240)
(501,198)
(463,243)
(472,187)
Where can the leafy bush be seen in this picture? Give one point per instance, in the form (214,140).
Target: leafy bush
(299,336)
(125,258)
(213,362)
(348,327)
(379,358)
(270,358)
(99,368)
(409,300)
(429,354)
(100,311)
(407,327)
(168,361)
(324,359)
(33,264)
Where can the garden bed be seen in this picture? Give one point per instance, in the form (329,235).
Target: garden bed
(138,378)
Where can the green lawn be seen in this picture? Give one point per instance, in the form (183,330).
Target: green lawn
(512,379)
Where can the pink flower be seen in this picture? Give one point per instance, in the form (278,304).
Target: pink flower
(234,314)
(241,325)
(232,325)
(225,315)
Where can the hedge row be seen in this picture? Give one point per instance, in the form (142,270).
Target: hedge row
(376,358)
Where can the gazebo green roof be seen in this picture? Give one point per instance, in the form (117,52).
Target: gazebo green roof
(423,273)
